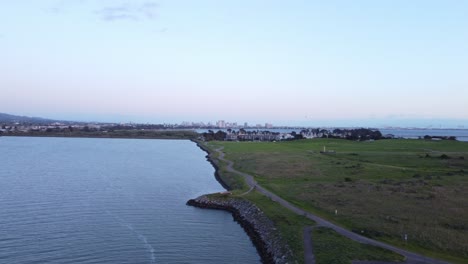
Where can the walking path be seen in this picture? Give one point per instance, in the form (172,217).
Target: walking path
(309,257)
(247,192)
(411,258)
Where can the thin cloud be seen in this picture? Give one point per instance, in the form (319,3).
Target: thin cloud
(147,10)
(117,13)
(60,7)
(54,10)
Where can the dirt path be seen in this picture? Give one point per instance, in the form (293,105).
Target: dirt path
(309,257)
(247,192)
(411,258)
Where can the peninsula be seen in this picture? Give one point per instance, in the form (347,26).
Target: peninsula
(321,195)
(400,195)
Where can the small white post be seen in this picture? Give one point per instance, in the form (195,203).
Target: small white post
(336,211)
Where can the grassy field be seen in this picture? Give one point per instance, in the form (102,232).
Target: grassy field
(382,189)
(288,223)
(330,247)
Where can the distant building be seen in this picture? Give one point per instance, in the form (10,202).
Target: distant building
(231,137)
(259,137)
(221,124)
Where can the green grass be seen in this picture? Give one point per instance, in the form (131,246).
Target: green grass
(288,223)
(330,247)
(327,243)
(386,188)
(234,181)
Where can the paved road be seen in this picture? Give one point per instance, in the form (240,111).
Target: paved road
(411,258)
(309,257)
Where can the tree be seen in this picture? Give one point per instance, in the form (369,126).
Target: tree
(298,136)
(337,131)
(220,135)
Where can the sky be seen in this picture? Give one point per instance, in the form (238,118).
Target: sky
(311,63)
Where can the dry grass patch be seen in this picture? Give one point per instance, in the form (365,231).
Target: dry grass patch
(383,189)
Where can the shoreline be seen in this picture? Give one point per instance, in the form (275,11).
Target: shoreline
(257,226)
(120,134)
(213,163)
(97,137)
(260,229)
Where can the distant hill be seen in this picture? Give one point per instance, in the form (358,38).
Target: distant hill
(7,118)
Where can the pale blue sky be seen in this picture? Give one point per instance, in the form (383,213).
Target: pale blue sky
(310,62)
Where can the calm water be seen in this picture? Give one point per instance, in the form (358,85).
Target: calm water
(461,134)
(111,201)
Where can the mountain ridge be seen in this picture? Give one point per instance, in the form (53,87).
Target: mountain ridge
(9,118)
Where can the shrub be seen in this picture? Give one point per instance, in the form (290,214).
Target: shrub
(444,156)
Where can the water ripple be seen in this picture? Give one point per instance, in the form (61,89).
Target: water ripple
(119,201)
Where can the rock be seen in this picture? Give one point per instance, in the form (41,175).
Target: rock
(256,224)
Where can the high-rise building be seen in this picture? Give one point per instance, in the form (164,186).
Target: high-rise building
(221,124)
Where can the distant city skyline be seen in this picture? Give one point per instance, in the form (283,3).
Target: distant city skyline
(395,123)
(305,63)
(225,124)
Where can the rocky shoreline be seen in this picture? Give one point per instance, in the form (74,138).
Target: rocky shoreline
(258,227)
(215,166)
(255,223)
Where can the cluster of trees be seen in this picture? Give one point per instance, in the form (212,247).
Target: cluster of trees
(244,135)
(101,132)
(295,136)
(210,135)
(252,132)
(135,126)
(361,134)
(427,137)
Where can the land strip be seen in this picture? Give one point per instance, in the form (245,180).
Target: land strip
(134,134)
(411,258)
(309,257)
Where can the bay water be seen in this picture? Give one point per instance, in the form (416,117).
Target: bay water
(80,200)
